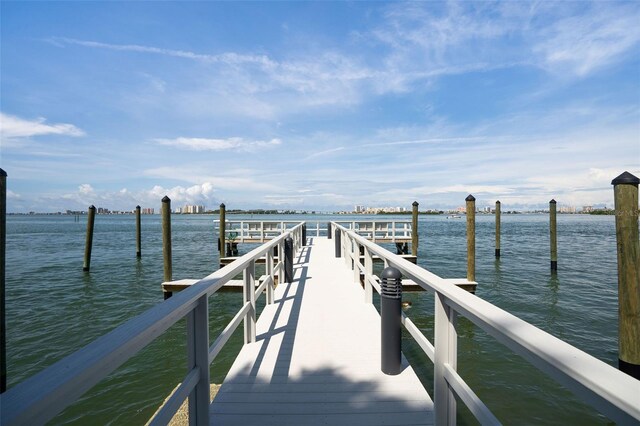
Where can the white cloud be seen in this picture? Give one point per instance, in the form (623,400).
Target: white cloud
(16,127)
(85,189)
(591,40)
(204,144)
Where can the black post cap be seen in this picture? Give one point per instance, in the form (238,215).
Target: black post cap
(497,201)
(415,204)
(552,201)
(626,178)
(222,206)
(470,198)
(391,283)
(3,173)
(166,199)
(138,207)
(92,207)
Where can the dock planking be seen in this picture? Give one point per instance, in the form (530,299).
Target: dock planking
(316,359)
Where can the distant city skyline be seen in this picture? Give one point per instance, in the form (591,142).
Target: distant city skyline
(317,105)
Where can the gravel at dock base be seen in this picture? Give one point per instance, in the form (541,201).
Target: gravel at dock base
(181,418)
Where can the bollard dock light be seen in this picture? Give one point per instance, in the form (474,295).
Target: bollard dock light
(391,320)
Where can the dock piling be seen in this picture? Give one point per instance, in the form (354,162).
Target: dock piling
(553,236)
(498,228)
(166,238)
(338,244)
(329,230)
(304,235)
(414,229)
(138,234)
(471,237)
(86,265)
(625,189)
(3,244)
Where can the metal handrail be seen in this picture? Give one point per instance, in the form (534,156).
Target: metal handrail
(39,398)
(609,390)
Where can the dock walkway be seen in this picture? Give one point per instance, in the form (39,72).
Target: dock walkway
(316,359)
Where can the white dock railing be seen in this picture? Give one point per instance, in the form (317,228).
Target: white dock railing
(42,396)
(242,231)
(613,393)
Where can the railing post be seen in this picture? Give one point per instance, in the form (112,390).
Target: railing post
(288,260)
(269,271)
(249,294)
(89,240)
(446,352)
(338,244)
(625,191)
(498,228)
(356,261)
(414,229)
(166,238)
(391,320)
(471,238)
(553,235)
(368,276)
(198,357)
(329,230)
(138,233)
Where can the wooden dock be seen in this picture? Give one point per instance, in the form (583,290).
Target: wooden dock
(316,359)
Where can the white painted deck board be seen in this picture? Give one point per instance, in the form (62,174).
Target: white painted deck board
(317,358)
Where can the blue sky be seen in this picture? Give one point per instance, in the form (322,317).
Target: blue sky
(317,105)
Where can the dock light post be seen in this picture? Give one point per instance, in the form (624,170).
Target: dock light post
(497,228)
(3,242)
(329,230)
(553,235)
(391,320)
(166,238)
(288,260)
(625,190)
(304,235)
(86,265)
(221,237)
(471,237)
(414,229)
(338,244)
(138,234)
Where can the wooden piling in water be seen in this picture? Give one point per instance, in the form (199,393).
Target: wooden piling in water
(471,237)
(498,228)
(221,238)
(553,236)
(86,265)
(414,229)
(166,238)
(625,189)
(138,233)
(3,242)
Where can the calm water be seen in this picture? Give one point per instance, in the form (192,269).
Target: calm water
(53,308)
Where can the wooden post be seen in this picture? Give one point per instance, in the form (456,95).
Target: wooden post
(166,238)
(498,228)
(414,229)
(89,241)
(471,238)
(138,234)
(3,242)
(625,190)
(553,236)
(221,237)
